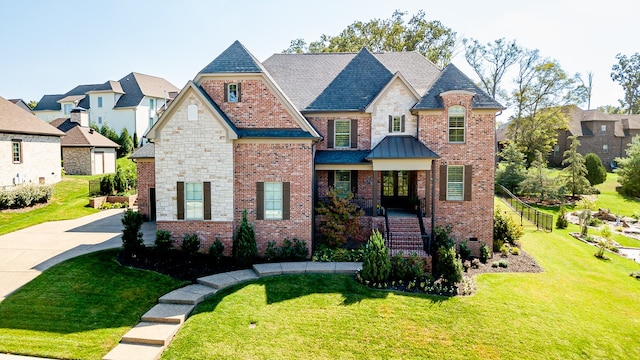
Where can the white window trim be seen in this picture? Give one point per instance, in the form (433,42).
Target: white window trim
(187,201)
(464,124)
(335,134)
(336,181)
(603,129)
(268,213)
(605,148)
(228,90)
(455,182)
(393,124)
(13,145)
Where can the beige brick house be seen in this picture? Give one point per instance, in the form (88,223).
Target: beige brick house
(273,137)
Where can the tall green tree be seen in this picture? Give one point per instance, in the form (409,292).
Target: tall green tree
(109,133)
(596,173)
(629,169)
(538,181)
(430,38)
(575,171)
(611,109)
(627,73)
(543,88)
(513,171)
(125,142)
(491,62)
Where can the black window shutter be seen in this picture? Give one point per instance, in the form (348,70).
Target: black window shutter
(354,181)
(354,133)
(286,200)
(180,197)
(331,176)
(468,169)
(443,182)
(330,134)
(239,90)
(207,200)
(226,92)
(402,124)
(390,123)
(427,194)
(259,201)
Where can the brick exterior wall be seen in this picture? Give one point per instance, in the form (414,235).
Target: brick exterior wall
(470,219)
(258,107)
(77,160)
(320,121)
(146,171)
(207,232)
(40,158)
(286,162)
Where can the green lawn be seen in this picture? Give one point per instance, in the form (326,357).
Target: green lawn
(579,307)
(80,308)
(610,199)
(69,200)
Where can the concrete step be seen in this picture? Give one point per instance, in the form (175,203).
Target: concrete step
(148,333)
(190,294)
(135,351)
(220,281)
(168,313)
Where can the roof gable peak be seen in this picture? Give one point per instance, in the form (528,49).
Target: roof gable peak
(235,59)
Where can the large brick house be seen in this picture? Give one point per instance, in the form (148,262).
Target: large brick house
(273,137)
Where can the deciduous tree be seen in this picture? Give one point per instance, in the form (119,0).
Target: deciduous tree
(513,169)
(627,73)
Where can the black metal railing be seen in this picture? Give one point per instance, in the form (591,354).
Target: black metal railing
(94,187)
(426,239)
(364,204)
(540,219)
(386,228)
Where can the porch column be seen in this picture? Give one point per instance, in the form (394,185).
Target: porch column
(375,192)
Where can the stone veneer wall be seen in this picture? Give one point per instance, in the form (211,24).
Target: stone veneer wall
(398,100)
(469,218)
(40,158)
(76,160)
(279,162)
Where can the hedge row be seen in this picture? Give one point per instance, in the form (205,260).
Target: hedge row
(25,195)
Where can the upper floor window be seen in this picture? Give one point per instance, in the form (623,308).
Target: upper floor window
(193,201)
(232,92)
(16,148)
(99,101)
(152,104)
(396,124)
(100,120)
(456,124)
(67,109)
(192,112)
(605,148)
(342,134)
(455,182)
(603,129)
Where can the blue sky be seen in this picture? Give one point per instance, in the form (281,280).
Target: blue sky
(49,47)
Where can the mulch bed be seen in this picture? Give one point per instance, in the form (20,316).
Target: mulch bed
(522,263)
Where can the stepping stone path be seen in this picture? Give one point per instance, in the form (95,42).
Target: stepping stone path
(158,326)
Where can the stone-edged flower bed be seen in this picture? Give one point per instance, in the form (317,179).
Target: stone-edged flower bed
(422,285)
(98,201)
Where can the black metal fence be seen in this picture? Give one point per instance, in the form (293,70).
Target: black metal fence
(540,219)
(94,187)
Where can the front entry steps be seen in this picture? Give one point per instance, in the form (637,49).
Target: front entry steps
(405,236)
(158,326)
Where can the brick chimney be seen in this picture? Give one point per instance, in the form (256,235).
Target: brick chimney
(80,116)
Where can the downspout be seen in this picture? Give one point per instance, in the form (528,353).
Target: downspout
(314,195)
(433,202)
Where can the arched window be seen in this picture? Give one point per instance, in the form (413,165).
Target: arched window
(192,112)
(457,121)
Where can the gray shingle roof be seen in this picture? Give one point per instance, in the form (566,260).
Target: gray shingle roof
(401,147)
(78,136)
(235,59)
(49,102)
(148,151)
(452,78)
(136,86)
(416,69)
(16,120)
(341,157)
(355,86)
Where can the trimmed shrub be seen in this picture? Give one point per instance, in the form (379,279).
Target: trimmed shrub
(515,251)
(442,236)
(495,264)
(120,182)
(596,173)
(376,265)
(107,185)
(25,195)
(164,241)
(131,235)
(449,266)
(245,249)
(562,222)
(407,268)
(505,230)
(271,252)
(485,253)
(340,254)
(216,251)
(504,250)
(190,244)
(465,252)
(503,263)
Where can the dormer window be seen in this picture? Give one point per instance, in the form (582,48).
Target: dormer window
(396,124)
(456,124)
(232,92)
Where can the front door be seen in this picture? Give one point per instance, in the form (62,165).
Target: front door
(396,189)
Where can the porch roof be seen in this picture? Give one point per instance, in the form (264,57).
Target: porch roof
(401,147)
(341,157)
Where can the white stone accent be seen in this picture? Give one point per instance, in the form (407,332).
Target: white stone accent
(40,158)
(194,151)
(397,101)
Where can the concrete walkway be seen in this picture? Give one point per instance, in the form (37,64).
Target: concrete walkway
(25,253)
(148,339)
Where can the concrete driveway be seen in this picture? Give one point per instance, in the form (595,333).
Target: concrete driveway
(24,254)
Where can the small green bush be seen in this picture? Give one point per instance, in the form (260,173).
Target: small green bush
(442,236)
(475,263)
(164,241)
(107,185)
(503,263)
(190,244)
(216,251)
(485,253)
(406,268)
(132,240)
(25,195)
(465,252)
(271,252)
(327,254)
(505,230)
(635,274)
(504,250)
(245,249)
(296,250)
(494,264)
(515,251)
(449,266)
(562,222)
(594,221)
(376,265)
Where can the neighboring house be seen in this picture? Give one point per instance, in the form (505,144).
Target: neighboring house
(271,138)
(29,147)
(606,135)
(84,151)
(21,104)
(132,102)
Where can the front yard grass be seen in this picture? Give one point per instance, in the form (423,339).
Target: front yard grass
(69,200)
(579,307)
(610,199)
(80,308)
